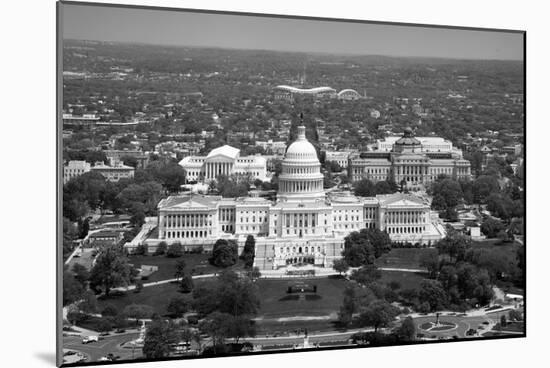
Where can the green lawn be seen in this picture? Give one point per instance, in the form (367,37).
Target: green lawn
(274,299)
(167,266)
(272,291)
(402,258)
(157,297)
(407,280)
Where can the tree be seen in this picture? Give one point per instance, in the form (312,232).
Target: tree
(515,315)
(249,251)
(88,303)
(159,338)
(385,187)
(111,269)
(366,274)
(232,186)
(177,306)
(378,314)
(483,187)
(254,273)
(455,245)
(216,326)
(432,292)
(407,330)
(340,266)
(447,194)
(138,311)
(503,321)
(139,286)
(81,274)
(491,227)
(161,249)
(174,250)
(72,288)
(229,293)
(104,325)
(109,311)
(186,284)
(180,269)
(349,306)
(430,259)
(363,247)
(364,188)
(224,253)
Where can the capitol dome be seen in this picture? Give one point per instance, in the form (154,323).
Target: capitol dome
(301,177)
(301,149)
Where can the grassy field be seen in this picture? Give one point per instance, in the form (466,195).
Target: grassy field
(273,291)
(402,258)
(167,266)
(275,301)
(157,297)
(407,280)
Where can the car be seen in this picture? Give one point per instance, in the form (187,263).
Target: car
(104,334)
(89,339)
(120,330)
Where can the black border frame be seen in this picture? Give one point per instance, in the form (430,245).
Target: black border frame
(59,171)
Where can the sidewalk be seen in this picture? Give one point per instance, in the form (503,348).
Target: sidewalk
(155,283)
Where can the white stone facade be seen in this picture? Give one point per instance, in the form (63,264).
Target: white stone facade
(74,169)
(410,160)
(304,224)
(225,160)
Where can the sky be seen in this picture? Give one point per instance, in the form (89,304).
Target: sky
(183,28)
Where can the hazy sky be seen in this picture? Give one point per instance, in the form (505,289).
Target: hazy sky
(252,32)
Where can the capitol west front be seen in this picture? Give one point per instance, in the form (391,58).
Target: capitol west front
(304,225)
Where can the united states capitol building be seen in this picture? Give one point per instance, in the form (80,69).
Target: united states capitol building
(304,225)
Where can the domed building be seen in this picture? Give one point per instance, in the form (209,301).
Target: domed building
(301,177)
(411,161)
(304,228)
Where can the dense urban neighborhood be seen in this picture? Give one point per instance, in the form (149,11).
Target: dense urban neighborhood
(222,202)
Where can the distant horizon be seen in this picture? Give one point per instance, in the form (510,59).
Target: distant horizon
(222,30)
(326,53)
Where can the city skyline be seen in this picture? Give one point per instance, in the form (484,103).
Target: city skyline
(220,30)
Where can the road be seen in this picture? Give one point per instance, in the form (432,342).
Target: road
(109,344)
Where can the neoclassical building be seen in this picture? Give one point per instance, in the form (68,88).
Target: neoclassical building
(225,160)
(304,225)
(414,161)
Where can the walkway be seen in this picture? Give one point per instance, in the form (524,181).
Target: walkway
(155,283)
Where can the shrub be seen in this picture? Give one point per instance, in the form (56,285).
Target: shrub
(139,286)
(140,250)
(161,249)
(174,250)
(186,285)
(109,311)
(177,306)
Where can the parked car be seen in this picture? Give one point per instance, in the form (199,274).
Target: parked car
(89,339)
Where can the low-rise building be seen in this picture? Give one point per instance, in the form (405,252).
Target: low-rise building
(114,172)
(75,168)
